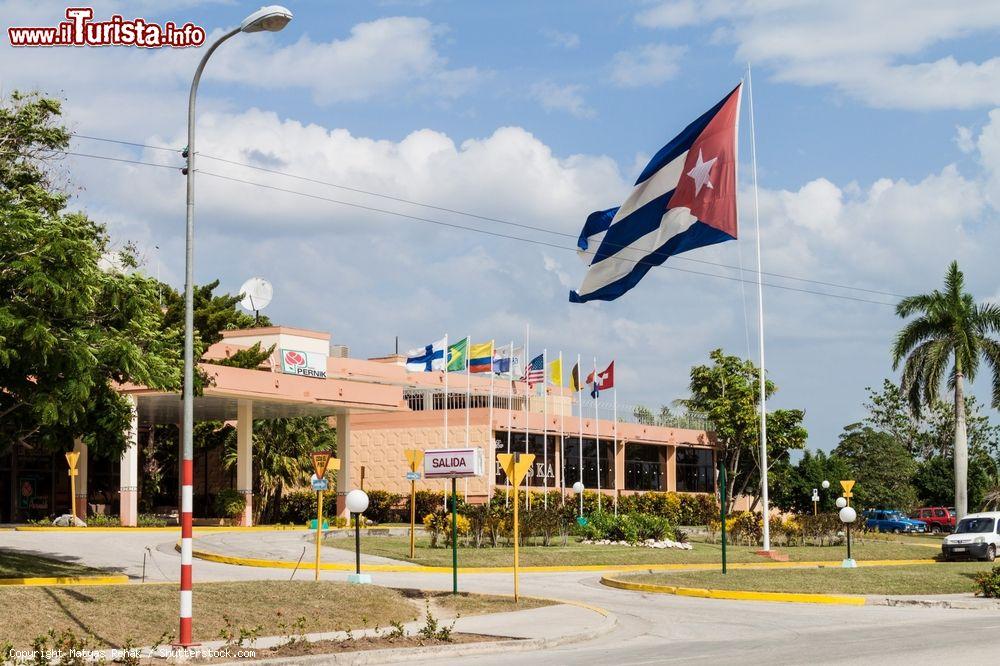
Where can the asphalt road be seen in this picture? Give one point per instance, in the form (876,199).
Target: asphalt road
(652,629)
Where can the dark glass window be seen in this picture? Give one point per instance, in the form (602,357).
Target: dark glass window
(695,470)
(536,445)
(645,467)
(590,463)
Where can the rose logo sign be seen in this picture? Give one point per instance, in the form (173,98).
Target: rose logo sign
(294,358)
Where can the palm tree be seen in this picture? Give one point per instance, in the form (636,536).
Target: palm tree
(950,329)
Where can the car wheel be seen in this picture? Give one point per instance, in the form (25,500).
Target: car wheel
(935,529)
(991,553)
(895,530)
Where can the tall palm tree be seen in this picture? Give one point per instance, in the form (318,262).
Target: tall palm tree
(950,330)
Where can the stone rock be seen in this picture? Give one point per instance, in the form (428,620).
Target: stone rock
(68,520)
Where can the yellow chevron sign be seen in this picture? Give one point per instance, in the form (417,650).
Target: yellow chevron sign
(414,458)
(847,485)
(515,465)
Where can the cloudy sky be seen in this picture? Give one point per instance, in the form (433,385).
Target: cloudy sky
(878,129)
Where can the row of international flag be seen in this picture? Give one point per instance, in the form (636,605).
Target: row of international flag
(505,360)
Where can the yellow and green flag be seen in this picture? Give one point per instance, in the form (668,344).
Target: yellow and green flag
(458,355)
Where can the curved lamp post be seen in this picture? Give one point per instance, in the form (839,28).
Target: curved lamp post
(269,19)
(357,503)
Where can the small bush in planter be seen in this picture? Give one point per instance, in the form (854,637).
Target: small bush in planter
(989,583)
(230,503)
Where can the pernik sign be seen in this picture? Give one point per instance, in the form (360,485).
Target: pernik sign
(452,463)
(306,364)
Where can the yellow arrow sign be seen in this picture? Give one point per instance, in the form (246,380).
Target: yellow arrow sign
(414,458)
(72,457)
(847,485)
(515,467)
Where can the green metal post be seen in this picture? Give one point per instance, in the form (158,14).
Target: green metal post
(722,509)
(454,538)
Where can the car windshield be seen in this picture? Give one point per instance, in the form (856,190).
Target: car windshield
(893,515)
(974,526)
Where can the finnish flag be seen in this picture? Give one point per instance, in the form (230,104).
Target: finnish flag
(685,198)
(427,358)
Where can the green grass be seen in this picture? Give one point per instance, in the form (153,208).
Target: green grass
(109,615)
(575,553)
(941,578)
(15,564)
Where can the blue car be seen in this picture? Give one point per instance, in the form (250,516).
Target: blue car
(893,521)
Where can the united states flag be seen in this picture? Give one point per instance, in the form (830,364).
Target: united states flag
(536,371)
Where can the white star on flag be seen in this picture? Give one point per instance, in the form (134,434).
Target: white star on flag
(701,172)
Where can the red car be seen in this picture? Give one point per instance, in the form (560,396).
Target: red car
(938,518)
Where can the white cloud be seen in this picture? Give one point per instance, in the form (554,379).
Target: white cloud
(869,50)
(565,40)
(647,65)
(568,98)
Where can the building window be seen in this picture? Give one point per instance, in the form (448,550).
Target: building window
(695,470)
(645,468)
(590,463)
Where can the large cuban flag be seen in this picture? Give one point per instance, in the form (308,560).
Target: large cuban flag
(685,198)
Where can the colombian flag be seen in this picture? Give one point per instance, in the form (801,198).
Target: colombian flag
(481,357)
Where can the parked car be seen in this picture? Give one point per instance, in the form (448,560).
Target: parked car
(892,521)
(938,518)
(977,535)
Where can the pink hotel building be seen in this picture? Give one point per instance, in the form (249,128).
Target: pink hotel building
(379,409)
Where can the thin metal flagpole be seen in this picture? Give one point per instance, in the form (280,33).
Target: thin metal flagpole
(545,428)
(468,399)
(510,417)
(527,390)
(597,439)
(765,506)
(615,445)
(579,401)
(447,357)
(492,442)
(562,437)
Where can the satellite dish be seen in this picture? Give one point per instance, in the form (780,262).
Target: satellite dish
(257,293)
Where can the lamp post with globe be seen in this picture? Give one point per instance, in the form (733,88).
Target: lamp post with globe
(847,516)
(578,489)
(357,503)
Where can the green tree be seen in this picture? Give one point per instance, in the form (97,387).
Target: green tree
(726,392)
(881,466)
(281,449)
(947,340)
(793,485)
(934,480)
(643,415)
(71,327)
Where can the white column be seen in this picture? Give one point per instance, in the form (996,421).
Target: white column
(128,509)
(344,454)
(80,500)
(244,457)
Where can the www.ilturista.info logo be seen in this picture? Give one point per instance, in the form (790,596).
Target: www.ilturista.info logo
(80,30)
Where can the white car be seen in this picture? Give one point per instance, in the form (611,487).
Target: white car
(977,535)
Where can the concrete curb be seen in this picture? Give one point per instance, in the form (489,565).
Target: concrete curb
(974,603)
(420,568)
(66,580)
(391,655)
(737,595)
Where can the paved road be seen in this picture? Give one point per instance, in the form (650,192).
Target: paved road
(652,629)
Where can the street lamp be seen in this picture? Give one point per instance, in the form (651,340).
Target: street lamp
(578,489)
(847,516)
(825,484)
(271,19)
(357,502)
(841,502)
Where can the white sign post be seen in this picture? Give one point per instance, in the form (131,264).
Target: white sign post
(452,464)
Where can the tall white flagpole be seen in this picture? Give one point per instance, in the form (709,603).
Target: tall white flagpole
(527,391)
(579,400)
(510,416)
(765,506)
(597,439)
(468,400)
(562,438)
(614,447)
(492,441)
(447,357)
(545,428)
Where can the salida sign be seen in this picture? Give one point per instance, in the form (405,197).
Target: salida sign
(452,463)
(306,364)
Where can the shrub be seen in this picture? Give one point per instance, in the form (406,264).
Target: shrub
(438,525)
(989,583)
(746,527)
(230,503)
(697,509)
(631,527)
(298,507)
(429,501)
(384,506)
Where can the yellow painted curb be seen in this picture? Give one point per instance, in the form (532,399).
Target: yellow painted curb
(738,595)
(420,568)
(169,528)
(67,580)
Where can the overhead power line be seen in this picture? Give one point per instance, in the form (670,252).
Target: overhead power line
(497,234)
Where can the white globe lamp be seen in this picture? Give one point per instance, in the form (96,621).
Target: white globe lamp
(357,502)
(847,516)
(841,502)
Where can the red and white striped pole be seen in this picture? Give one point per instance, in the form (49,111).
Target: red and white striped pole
(187,492)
